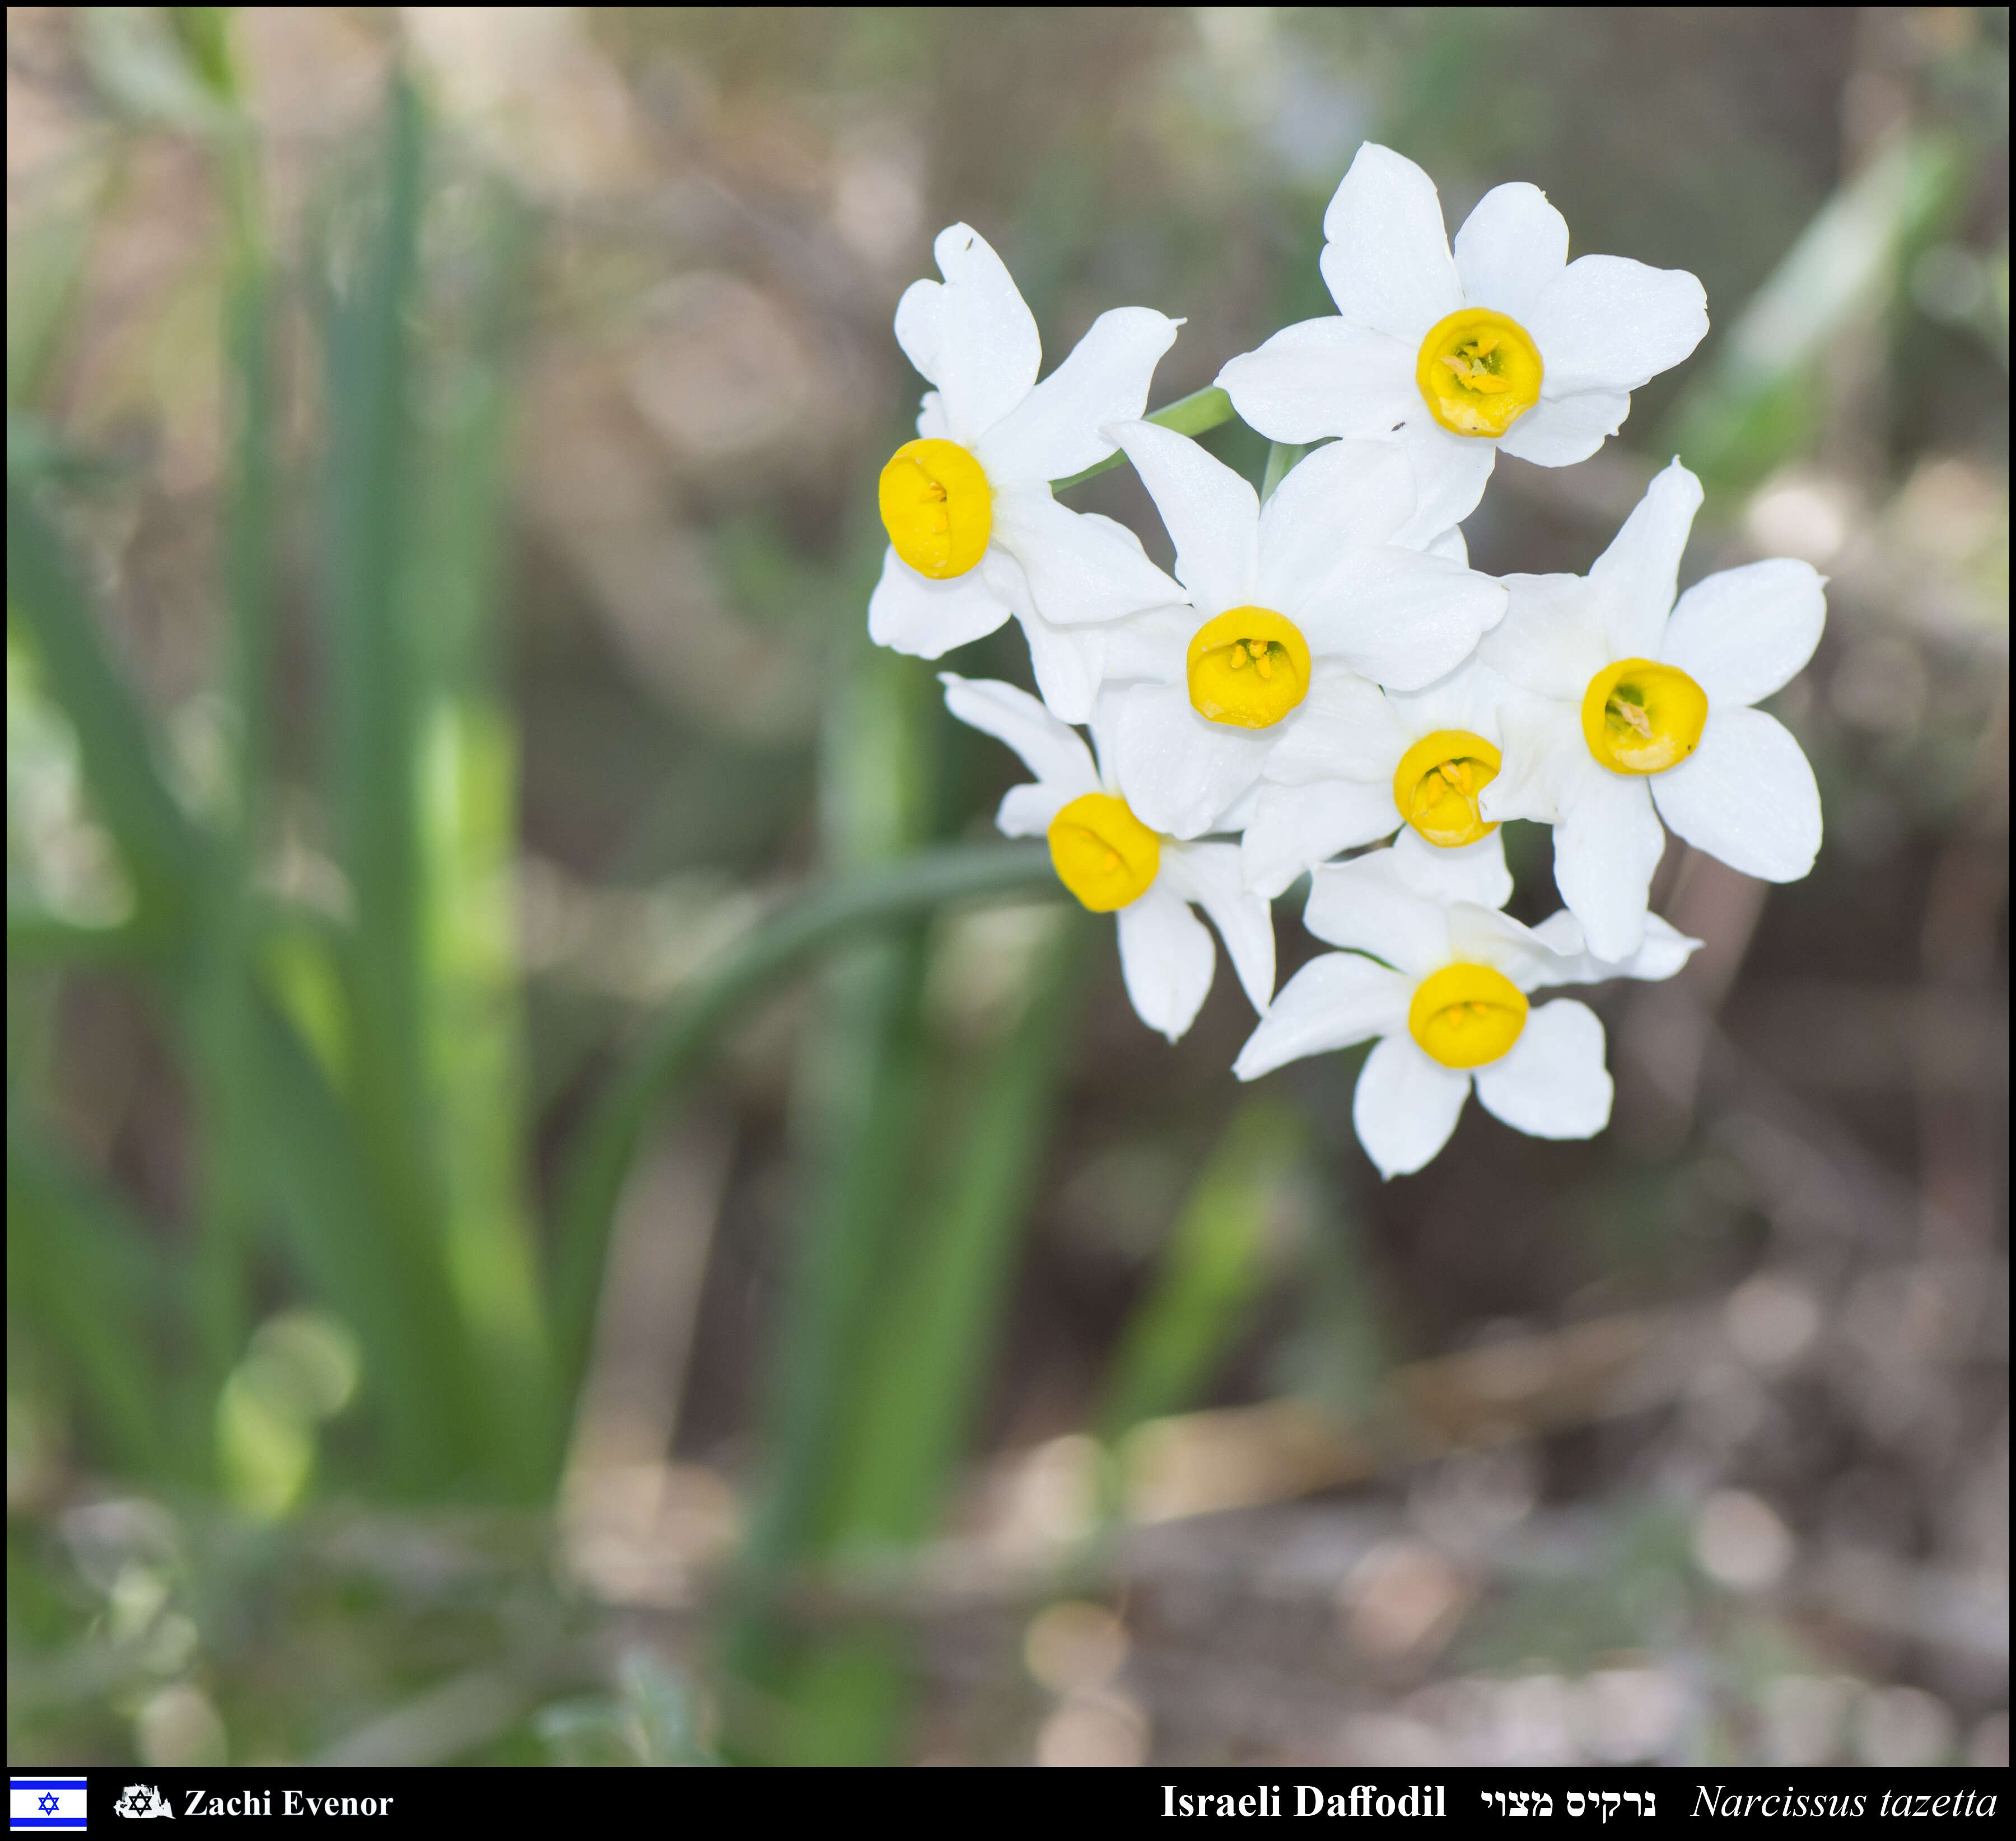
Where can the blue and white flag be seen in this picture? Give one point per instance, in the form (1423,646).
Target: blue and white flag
(45,1802)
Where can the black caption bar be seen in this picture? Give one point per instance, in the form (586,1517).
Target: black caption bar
(389,1801)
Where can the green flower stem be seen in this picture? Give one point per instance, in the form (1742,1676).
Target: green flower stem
(1281,458)
(1192,415)
(674,1044)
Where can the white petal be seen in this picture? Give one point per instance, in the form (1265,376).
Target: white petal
(1741,634)
(1332,1002)
(1606,322)
(927,619)
(1465,872)
(1166,957)
(1293,828)
(1639,574)
(1148,648)
(1509,249)
(1068,663)
(1665,951)
(1405,1106)
(1054,752)
(1450,474)
(1209,874)
(1387,259)
(1179,772)
(1399,617)
(1468,699)
(1551,641)
(1559,432)
(1544,758)
(1026,810)
(1479,935)
(1325,377)
(1212,516)
(973,336)
(1367,904)
(1607,843)
(919,318)
(1348,495)
(1054,431)
(1449,543)
(1080,566)
(932,424)
(1745,794)
(1347,729)
(1552,1084)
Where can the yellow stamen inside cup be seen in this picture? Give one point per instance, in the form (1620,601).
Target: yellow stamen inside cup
(1103,854)
(937,507)
(1437,784)
(1641,718)
(1464,1016)
(1478,371)
(1248,667)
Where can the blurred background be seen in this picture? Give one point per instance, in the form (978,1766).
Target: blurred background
(503,1267)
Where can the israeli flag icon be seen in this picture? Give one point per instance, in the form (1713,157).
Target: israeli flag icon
(45,1802)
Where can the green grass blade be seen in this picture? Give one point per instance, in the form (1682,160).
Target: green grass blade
(1209,1274)
(1760,401)
(477,1059)
(83,1273)
(164,853)
(937,1328)
(678,1041)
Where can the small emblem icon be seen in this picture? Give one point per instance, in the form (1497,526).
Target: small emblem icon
(141,1802)
(45,1802)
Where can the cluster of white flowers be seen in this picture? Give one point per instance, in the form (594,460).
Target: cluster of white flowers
(1325,669)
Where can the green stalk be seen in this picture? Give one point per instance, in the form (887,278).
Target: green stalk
(445,1427)
(1281,459)
(1193,414)
(925,1362)
(164,854)
(467,769)
(673,1049)
(83,1273)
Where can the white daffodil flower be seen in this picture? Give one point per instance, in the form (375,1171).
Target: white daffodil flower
(974,533)
(1634,707)
(1278,605)
(1362,763)
(1449,1007)
(1115,864)
(1505,343)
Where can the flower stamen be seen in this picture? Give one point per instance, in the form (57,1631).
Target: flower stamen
(1639,717)
(1221,688)
(1478,371)
(1465,1015)
(1437,785)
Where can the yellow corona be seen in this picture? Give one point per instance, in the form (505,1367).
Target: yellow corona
(1478,371)
(1641,718)
(1465,1015)
(1437,784)
(1102,853)
(937,507)
(1248,667)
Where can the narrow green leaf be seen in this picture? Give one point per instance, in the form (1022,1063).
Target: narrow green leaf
(85,1274)
(164,853)
(671,1049)
(1212,1270)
